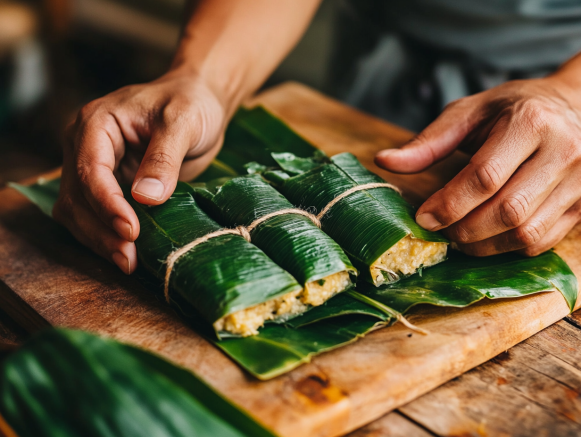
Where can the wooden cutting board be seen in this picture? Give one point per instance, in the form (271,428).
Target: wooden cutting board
(46,278)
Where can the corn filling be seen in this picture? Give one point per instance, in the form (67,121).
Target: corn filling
(405,257)
(246,322)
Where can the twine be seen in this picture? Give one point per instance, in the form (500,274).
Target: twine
(243,231)
(354,190)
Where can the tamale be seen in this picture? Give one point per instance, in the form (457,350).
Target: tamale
(226,279)
(291,240)
(375,227)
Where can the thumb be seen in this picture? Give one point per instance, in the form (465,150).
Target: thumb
(158,173)
(434,143)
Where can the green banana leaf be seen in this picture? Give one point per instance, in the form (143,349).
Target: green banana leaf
(252,135)
(159,231)
(463,280)
(71,383)
(292,241)
(278,348)
(367,223)
(43,194)
(219,277)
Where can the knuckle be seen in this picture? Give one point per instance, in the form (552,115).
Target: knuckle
(449,210)
(88,111)
(530,234)
(83,172)
(571,153)
(160,161)
(487,177)
(176,111)
(534,114)
(532,251)
(462,235)
(514,209)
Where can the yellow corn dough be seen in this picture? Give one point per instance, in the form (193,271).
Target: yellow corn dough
(405,257)
(246,322)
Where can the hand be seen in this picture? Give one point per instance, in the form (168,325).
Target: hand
(522,188)
(145,134)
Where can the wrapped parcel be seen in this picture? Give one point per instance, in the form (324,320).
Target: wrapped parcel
(230,282)
(288,236)
(375,227)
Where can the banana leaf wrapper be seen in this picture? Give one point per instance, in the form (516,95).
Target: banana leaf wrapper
(71,383)
(293,241)
(277,349)
(375,227)
(463,280)
(280,348)
(221,277)
(251,136)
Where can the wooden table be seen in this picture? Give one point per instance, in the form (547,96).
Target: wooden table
(532,389)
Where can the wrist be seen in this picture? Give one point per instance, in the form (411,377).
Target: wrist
(567,80)
(227,84)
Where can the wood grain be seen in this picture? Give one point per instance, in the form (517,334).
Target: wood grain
(49,279)
(391,425)
(532,389)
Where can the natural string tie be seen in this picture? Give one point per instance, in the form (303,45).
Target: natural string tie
(243,231)
(350,191)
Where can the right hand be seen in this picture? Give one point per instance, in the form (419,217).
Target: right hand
(148,135)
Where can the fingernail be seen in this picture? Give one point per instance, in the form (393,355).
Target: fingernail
(150,187)
(123,228)
(386,152)
(122,262)
(428,221)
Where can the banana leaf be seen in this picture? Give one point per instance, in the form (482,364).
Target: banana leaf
(293,241)
(224,275)
(367,223)
(275,351)
(280,348)
(463,280)
(71,383)
(252,135)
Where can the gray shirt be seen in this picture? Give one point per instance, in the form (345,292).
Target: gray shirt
(406,59)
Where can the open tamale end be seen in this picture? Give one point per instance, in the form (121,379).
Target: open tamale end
(375,227)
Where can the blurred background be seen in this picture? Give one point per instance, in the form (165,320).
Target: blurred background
(57,55)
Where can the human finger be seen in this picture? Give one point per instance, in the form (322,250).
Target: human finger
(79,218)
(98,147)
(515,202)
(436,141)
(538,229)
(509,144)
(159,170)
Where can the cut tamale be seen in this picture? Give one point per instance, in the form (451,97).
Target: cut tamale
(287,235)
(375,226)
(228,280)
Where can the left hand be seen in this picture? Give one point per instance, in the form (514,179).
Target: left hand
(522,187)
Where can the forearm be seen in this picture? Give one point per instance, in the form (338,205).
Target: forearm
(235,45)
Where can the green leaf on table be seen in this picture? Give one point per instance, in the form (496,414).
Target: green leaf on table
(71,383)
(43,194)
(463,280)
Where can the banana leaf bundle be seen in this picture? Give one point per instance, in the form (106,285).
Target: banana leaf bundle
(375,226)
(71,383)
(291,238)
(278,348)
(227,280)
